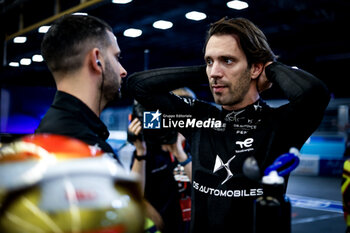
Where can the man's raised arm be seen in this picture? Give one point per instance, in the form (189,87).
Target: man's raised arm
(151,88)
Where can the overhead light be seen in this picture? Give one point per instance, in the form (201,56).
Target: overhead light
(132,32)
(162,24)
(14,64)
(20,39)
(37,58)
(121,1)
(195,15)
(80,13)
(25,61)
(237,5)
(43,29)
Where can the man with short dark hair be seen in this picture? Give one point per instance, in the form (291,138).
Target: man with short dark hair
(239,65)
(83,55)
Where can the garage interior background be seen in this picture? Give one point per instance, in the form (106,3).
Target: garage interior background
(312,35)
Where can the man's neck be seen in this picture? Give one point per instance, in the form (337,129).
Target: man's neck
(83,90)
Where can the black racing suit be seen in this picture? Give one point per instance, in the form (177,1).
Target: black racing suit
(222,197)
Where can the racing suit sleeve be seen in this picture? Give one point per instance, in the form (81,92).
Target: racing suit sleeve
(298,85)
(308,98)
(152,88)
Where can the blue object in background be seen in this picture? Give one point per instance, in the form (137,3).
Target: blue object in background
(326,147)
(322,155)
(21,124)
(22,108)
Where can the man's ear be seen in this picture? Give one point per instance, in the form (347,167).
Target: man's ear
(94,60)
(256,70)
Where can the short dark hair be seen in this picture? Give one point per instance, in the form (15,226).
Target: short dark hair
(70,38)
(251,39)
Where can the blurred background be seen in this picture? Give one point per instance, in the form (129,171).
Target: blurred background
(309,34)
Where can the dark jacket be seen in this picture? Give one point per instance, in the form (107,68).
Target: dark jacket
(69,116)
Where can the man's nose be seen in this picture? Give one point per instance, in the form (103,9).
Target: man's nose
(215,71)
(123,72)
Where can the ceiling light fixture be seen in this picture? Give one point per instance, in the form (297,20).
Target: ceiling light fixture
(37,58)
(195,15)
(20,39)
(121,1)
(237,5)
(132,32)
(162,24)
(25,61)
(14,64)
(43,29)
(80,13)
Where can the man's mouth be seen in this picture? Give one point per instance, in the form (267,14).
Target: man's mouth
(218,88)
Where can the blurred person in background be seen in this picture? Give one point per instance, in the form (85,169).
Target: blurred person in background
(164,163)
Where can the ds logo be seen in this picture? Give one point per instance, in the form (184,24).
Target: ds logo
(151,120)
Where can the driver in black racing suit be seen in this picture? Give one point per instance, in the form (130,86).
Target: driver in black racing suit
(221,139)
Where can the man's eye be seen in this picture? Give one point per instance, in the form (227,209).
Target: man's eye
(209,61)
(228,60)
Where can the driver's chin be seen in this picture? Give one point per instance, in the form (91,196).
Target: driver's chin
(219,100)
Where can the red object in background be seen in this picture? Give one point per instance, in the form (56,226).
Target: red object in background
(185,204)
